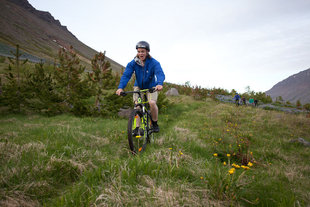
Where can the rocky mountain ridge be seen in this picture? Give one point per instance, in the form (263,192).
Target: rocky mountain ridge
(46,16)
(38,33)
(296,87)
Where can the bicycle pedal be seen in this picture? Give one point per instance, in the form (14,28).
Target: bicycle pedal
(141,132)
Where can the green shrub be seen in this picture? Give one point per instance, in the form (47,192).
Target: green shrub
(112,103)
(2,59)
(71,87)
(307,106)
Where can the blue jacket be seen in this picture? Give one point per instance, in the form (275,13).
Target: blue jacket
(146,77)
(237,97)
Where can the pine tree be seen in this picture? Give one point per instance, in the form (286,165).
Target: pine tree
(233,92)
(70,85)
(298,104)
(13,90)
(279,99)
(101,77)
(42,86)
(307,107)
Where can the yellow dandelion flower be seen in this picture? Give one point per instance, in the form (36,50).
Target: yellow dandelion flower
(228,155)
(181,153)
(245,167)
(170,148)
(227,130)
(236,166)
(250,164)
(215,154)
(224,163)
(231,171)
(201,178)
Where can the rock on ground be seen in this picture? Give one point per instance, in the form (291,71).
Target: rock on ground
(172,92)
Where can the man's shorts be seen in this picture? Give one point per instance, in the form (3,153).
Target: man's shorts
(150,96)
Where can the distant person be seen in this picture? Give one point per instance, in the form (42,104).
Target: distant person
(255,102)
(236,98)
(148,74)
(251,101)
(243,100)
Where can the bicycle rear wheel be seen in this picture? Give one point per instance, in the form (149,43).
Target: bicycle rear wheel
(136,139)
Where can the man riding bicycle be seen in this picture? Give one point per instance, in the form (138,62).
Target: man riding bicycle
(148,74)
(236,98)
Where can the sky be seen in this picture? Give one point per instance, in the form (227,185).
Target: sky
(208,43)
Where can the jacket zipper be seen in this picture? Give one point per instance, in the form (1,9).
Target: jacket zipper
(143,75)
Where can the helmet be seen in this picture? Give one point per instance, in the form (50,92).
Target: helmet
(143,44)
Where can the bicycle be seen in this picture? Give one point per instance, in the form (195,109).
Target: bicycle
(237,102)
(139,128)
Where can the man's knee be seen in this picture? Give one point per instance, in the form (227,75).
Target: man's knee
(152,103)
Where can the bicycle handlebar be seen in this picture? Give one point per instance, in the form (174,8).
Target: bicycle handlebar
(151,90)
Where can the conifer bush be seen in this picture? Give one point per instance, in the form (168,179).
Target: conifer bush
(42,97)
(14,94)
(2,59)
(101,78)
(71,87)
(307,106)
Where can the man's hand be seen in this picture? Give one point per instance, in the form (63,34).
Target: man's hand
(119,91)
(159,88)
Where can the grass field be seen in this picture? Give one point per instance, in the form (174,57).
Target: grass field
(207,154)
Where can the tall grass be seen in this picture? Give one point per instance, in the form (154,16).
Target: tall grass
(70,161)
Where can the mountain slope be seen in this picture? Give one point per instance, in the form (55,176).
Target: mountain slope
(293,88)
(38,33)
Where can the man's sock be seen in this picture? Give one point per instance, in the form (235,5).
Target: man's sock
(154,123)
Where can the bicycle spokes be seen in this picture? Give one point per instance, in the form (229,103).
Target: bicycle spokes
(139,128)
(136,135)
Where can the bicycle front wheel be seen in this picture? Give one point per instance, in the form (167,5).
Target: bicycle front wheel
(136,132)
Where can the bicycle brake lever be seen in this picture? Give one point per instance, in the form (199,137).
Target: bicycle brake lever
(152,90)
(123,94)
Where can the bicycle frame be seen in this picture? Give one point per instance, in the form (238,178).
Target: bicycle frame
(144,121)
(141,102)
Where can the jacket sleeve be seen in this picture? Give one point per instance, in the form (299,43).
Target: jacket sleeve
(159,73)
(126,76)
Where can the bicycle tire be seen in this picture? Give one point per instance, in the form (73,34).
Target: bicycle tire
(237,102)
(150,135)
(136,143)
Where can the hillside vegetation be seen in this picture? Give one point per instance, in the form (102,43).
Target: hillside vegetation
(207,154)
